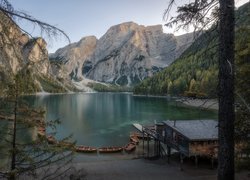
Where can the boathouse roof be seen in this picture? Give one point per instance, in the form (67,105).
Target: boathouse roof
(195,129)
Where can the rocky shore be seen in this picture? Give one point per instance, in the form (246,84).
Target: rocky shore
(200,103)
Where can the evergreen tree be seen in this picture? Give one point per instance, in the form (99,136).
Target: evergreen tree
(25,146)
(195,14)
(26,149)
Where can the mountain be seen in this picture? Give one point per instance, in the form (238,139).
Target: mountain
(125,55)
(72,57)
(26,58)
(195,73)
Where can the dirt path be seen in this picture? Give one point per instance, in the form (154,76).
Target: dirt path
(141,169)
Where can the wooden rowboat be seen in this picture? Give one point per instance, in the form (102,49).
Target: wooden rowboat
(41,134)
(134,139)
(132,134)
(130,147)
(139,135)
(41,131)
(85,149)
(110,149)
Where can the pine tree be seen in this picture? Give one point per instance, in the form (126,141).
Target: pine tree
(34,154)
(26,149)
(195,14)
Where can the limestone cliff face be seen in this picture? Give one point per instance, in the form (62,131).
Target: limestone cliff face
(128,53)
(36,54)
(125,55)
(11,42)
(21,54)
(73,57)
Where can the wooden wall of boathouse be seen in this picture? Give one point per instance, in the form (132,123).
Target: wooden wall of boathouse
(184,145)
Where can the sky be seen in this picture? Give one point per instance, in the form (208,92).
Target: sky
(80,18)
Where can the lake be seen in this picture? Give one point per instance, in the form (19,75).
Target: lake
(105,119)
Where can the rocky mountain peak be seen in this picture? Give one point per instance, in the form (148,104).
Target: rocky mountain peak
(123,27)
(155,29)
(72,57)
(125,55)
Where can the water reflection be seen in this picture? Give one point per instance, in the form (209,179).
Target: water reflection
(102,119)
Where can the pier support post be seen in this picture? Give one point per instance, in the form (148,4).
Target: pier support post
(181,163)
(148,144)
(159,148)
(168,153)
(196,161)
(143,143)
(212,162)
(155,147)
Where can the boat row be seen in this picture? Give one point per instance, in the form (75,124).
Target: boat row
(110,149)
(86,149)
(131,146)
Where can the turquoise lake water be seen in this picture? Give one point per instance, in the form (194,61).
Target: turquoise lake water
(105,119)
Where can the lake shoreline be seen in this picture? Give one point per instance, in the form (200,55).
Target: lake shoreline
(211,104)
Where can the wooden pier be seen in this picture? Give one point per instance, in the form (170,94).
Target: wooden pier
(191,138)
(149,133)
(138,127)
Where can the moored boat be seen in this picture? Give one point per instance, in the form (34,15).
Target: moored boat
(134,139)
(41,134)
(41,131)
(51,139)
(132,134)
(85,149)
(130,147)
(139,135)
(110,149)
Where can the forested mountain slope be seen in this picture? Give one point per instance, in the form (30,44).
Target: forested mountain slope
(195,72)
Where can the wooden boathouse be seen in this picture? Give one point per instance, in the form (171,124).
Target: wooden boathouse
(191,138)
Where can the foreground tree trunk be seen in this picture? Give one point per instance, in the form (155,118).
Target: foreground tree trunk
(226,91)
(13,156)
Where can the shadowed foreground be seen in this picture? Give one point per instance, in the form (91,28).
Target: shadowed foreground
(140,169)
(137,169)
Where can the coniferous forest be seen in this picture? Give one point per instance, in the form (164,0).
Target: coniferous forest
(195,73)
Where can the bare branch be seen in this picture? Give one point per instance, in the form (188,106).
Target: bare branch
(195,14)
(49,30)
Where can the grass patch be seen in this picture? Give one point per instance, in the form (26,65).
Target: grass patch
(50,85)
